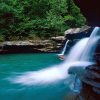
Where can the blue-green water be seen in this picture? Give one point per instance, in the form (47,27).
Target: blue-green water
(13,88)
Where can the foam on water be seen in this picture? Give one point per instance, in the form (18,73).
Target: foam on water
(47,76)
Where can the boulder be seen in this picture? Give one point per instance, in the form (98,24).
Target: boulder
(78,33)
(58,38)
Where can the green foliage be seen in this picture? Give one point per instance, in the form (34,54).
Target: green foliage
(37,18)
(74,18)
(1,38)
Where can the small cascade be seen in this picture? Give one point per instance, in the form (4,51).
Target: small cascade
(64,48)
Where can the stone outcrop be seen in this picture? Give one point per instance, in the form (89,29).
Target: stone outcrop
(58,38)
(78,33)
(29,46)
(77,30)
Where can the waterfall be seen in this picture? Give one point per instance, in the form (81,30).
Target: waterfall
(77,50)
(87,55)
(74,64)
(91,46)
(64,48)
(54,73)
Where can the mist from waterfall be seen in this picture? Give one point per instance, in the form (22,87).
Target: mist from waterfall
(59,72)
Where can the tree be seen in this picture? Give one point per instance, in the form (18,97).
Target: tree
(41,18)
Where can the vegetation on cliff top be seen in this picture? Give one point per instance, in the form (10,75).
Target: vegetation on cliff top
(31,19)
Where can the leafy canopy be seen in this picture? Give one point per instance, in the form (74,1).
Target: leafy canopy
(37,18)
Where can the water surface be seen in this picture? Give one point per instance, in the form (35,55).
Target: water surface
(13,65)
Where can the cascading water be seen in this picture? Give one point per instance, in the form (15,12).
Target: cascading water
(87,56)
(91,46)
(64,49)
(73,64)
(77,50)
(88,52)
(55,73)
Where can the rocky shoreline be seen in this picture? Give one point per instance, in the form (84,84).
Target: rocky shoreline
(29,46)
(54,44)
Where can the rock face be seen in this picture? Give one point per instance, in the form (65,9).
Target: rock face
(58,38)
(29,46)
(78,33)
(77,30)
(91,83)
